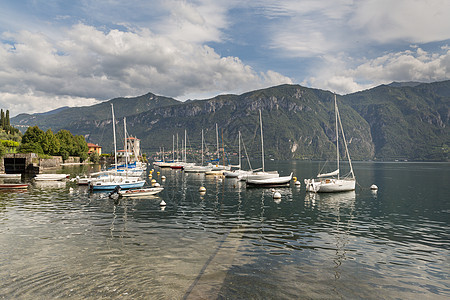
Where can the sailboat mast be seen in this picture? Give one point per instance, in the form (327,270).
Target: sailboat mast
(173,147)
(262,140)
(223,150)
(185,143)
(239,149)
(217,139)
(202,147)
(126,146)
(337,133)
(345,144)
(114,134)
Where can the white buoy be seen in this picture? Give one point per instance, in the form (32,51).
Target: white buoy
(202,189)
(156,184)
(297,182)
(276,195)
(71,190)
(162,203)
(163,177)
(373,187)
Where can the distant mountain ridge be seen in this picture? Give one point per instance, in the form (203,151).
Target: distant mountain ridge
(387,122)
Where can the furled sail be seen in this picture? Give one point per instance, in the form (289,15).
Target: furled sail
(334,173)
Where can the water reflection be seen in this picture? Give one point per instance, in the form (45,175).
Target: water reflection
(231,242)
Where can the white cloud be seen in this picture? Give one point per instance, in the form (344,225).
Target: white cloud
(415,21)
(409,65)
(33,103)
(89,63)
(309,28)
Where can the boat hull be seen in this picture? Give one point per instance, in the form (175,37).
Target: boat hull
(141,192)
(105,186)
(13,186)
(330,185)
(262,175)
(270,182)
(197,169)
(50,177)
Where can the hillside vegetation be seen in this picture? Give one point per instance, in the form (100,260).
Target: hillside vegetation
(407,122)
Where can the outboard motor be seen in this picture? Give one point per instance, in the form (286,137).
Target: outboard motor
(115,194)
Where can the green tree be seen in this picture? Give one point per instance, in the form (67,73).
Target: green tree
(67,143)
(94,157)
(30,147)
(64,154)
(32,140)
(2,119)
(33,135)
(81,145)
(50,143)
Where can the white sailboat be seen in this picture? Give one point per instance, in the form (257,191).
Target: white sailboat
(218,169)
(192,168)
(239,172)
(260,175)
(112,181)
(332,182)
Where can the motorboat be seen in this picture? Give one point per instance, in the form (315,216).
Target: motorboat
(270,182)
(50,177)
(142,192)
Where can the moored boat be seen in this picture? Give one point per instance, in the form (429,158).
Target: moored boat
(142,192)
(270,182)
(332,182)
(13,185)
(50,177)
(10,176)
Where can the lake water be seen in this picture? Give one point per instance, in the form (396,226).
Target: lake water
(233,242)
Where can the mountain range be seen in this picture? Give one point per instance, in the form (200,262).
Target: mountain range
(400,121)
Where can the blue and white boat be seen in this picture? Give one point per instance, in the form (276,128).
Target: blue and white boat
(123,182)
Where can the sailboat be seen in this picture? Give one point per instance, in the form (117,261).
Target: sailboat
(332,182)
(263,178)
(112,181)
(239,172)
(192,168)
(218,169)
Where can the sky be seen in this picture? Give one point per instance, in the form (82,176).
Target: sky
(56,53)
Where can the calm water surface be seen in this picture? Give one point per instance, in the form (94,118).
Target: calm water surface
(233,242)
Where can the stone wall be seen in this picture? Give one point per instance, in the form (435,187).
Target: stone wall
(53,162)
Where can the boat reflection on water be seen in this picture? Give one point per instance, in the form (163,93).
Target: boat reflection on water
(49,184)
(340,208)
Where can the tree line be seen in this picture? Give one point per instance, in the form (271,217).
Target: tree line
(5,124)
(63,143)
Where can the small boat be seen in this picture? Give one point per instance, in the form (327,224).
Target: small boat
(10,176)
(50,177)
(85,180)
(270,182)
(13,185)
(141,192)
(112,183)
(197,169)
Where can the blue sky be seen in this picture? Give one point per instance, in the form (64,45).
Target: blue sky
(72,53)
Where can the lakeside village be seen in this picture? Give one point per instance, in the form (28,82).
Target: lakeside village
(36,150)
